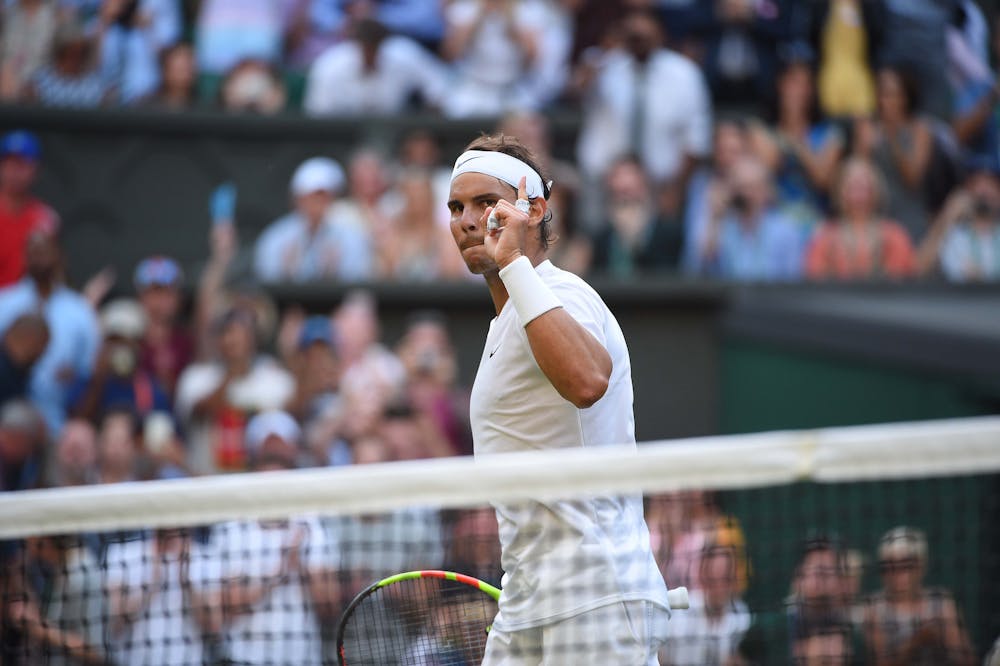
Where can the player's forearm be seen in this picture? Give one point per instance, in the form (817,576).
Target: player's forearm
(576,364)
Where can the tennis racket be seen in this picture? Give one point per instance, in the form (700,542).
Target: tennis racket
(418,618)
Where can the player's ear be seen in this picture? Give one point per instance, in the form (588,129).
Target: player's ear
(539,206)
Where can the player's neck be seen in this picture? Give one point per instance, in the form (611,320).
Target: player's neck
(497,289)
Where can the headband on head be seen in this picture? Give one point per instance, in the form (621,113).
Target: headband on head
(506,167)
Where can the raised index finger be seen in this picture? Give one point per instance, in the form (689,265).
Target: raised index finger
(522,188)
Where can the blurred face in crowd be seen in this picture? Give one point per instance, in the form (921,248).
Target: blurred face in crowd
(475,538)
(314,205)
(42,257)
(417,191)
(795,88)
(718,577)
(236,340)
(901,575)
(984,188)
(828,649)
(16,445)
(891,96)
(117,443)
(369,449)
(820,578)
(357,328)
(162,303)
(859,193)
(367,177)
(641,35)
(751,185)
(531,129)
(17,174)
(26,340)
(76,451)
(627,184)
(426,352)
(730,145)
(403,438)
(179,72)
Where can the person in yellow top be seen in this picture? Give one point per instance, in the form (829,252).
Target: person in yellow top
(847,34)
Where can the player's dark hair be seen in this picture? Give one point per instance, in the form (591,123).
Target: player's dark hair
(509,145)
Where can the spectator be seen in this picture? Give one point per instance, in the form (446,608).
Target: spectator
(824,644)
(915,40)
(801,150)
(276,578)
(22,437)
(702,523)
(635,239)
(964,243)
(74,334)
(156,611)
(118,447)
(29,28)
(75,459)
(253,86)
(370,205)
(177,90)
(384,73)
(370,370)
(71,79)
(410,435)
(906,622)
(902,144)
(740,53)
(748,238)
(56,602)
(20,348)
(848,35)
(858,243)
(314,26)
(711,630)
(167,347)
(317,382)
(474,544)
(230,31)
(731,143)
(132,33)
(420,149)
(493,45)
(427,353)
(975,120)
(20,212)
(648,101)
(316,240)
(214,399)
(418,249)
(117,379)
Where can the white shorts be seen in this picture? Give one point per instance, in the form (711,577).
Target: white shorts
(624,634)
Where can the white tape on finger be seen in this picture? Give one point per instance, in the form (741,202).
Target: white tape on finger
(523,205)
(492,223)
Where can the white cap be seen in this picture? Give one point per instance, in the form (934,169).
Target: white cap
(123,318)
(317,174)
(277,423)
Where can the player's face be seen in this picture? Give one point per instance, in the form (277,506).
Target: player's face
(471,194)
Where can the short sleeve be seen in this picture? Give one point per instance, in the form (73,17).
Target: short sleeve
(585,306)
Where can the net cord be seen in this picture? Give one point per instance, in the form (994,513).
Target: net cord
(893,451)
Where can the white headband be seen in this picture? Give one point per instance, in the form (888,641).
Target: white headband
(506,167)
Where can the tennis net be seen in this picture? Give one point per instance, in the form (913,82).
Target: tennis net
(846,545)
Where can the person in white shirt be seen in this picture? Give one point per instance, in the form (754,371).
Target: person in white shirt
(555,373)
(373,73)
(314,242)
(645,100)
(711,630)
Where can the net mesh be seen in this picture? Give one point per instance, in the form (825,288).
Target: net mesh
(854,545)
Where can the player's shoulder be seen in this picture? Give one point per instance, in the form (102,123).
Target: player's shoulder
(567,282)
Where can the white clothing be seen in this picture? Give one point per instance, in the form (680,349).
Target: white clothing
(561,558)
(490,77)
(164,632)
(621,633)
(389,543)
(694,639)
(266,387)
(668,98)
(77,602)
(340,249)
(282,627)
(967,252)
(339,85)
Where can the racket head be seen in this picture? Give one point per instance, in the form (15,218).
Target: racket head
(418,618)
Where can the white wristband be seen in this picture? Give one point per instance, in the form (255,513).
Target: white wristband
(531,297)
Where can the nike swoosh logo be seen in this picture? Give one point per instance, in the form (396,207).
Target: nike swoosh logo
(494,351)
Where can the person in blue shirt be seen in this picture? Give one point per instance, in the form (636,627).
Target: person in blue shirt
(75,336)
(748,238)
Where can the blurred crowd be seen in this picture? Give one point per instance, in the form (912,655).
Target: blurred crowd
(764,140)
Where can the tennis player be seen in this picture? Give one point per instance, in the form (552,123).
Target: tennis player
(580,583)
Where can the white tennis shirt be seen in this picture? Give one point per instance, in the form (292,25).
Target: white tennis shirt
(566,557)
